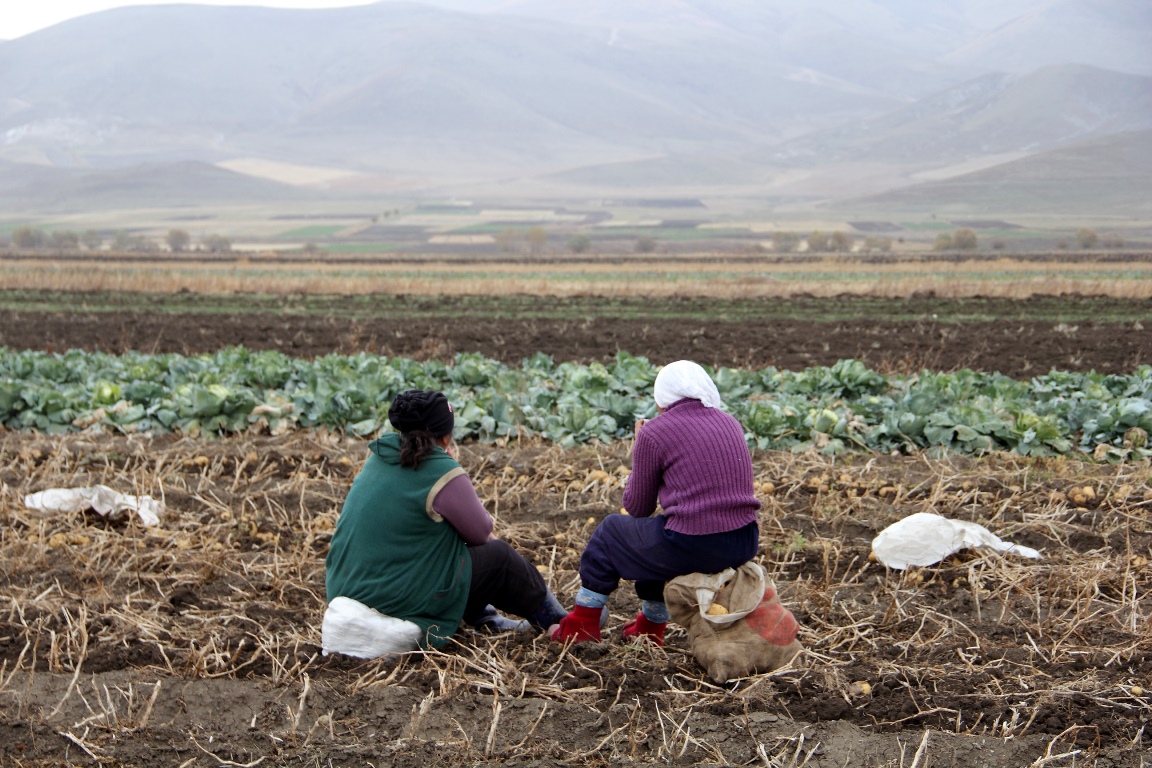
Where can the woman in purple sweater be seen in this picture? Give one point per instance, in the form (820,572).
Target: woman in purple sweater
(693,459)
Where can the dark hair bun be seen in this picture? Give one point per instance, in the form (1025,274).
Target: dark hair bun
(422,411)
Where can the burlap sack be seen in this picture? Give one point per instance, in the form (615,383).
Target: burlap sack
(736,623)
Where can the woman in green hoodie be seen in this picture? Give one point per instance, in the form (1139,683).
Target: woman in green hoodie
(414,541)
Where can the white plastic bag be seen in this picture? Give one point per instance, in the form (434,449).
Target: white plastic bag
(926,539)
(98,497)
(354,629)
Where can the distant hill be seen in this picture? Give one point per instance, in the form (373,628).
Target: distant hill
(355,85)
(1111,34)
(144,185)
(990,115)
(818,99)
(1106,176)
(1017,36)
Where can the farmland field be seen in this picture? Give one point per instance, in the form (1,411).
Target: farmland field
(1018,337)
(196,642)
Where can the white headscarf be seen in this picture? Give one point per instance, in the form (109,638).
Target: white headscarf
(682,379)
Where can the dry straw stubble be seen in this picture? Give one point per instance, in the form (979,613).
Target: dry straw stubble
(116,638)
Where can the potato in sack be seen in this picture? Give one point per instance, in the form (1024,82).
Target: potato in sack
(736,624)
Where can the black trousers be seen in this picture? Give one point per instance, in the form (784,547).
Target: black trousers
(501,577)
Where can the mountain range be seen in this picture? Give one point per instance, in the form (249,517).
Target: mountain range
(799,101)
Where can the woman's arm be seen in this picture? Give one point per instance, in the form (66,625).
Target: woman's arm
(458,503)
(641,492)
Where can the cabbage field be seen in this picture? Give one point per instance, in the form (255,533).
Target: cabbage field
(832,409)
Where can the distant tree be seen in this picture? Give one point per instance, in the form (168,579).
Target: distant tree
(998,244)
(1086,238)
(506,240)
(817,242)
(579,243)
(27,237)
(64,239)
(178,240)
(840,242)
(965,239)
(878,243)
(311,249)
(216,244)
(125,242)
(645,245)
(92,239)
(785,242)
(943,242)
(1112,241)
(537,238)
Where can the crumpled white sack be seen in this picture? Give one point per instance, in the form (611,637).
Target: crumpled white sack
(926,539)
(354,629)
(98,497)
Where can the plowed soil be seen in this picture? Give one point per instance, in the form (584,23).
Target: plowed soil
(1002,336)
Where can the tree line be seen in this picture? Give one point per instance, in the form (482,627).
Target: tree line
(122,241)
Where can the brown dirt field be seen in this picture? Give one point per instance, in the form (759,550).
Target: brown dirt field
(1020,348)
(196,643)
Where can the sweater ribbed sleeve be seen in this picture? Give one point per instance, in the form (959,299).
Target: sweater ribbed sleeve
(695,463)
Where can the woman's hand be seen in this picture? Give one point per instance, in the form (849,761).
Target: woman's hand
(640,423)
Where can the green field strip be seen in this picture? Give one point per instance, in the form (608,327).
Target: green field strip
(365,248)
(318,230)
(929,226)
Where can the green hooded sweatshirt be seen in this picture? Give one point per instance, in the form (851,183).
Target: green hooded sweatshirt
(392,552)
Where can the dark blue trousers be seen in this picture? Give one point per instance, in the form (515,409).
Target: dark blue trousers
(503,578)
(640,549)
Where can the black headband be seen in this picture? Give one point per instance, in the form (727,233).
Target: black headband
(421,411)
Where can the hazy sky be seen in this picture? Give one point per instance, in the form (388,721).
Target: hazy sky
(19,17)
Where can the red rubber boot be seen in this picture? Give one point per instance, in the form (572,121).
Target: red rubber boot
(643,629)
(579,626)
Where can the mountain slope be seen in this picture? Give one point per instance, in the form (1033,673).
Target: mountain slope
(990,115)
(23,187)
(1111,34)
(816,99)
(1106,176)
(214,82)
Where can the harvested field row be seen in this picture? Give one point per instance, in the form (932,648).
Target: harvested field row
(195,643)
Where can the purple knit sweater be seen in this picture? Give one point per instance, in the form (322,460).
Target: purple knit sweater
(695,461)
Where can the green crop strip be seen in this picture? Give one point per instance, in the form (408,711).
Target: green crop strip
(319,230)
(844,407)
(363,247)
(1046,309)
